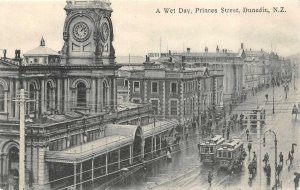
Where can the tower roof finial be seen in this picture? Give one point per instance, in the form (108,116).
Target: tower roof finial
(42,41)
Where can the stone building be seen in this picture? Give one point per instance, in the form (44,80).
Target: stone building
(176,90)
(76,133)
(232,64)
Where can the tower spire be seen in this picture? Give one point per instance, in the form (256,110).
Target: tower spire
(42,41)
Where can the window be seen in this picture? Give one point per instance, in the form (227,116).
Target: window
(126,83)
(224,154)
(229,154)
(184,87)
(32,97)
(35,60)
(173,88)
(220,154)
(211,149)
(136,101)
(1,98)
(136,86)
(155,106)
(173,107)
(81,95)
(154,87)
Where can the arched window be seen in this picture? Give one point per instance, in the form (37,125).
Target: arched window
(1,98)
(105,94)
(48,96)
(32,97)
(81,95)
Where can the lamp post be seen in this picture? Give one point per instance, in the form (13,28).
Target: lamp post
(273,82)
(275,141)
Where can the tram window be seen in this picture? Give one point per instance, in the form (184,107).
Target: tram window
(220,154)
(206,150)
(202,149)
(211,149)
(224,154)
(229,154)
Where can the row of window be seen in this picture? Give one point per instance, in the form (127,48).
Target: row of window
(173,107)
(154,87)
(75,140)
(190,86)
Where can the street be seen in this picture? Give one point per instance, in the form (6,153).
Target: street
(186,172)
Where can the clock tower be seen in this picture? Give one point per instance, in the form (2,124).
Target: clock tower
(88,33)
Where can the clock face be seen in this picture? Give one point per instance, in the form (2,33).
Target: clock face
(81,31)
(105,32)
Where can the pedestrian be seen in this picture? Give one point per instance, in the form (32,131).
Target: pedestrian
(210,177)
(289,157)
(296,181)
(247,132)
(267,96)
(169,155)
(228,133)
(254,156)
(281,158)
(249,148)
(293,149)
(223,132)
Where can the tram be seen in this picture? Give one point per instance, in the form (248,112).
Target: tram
(208,149)
(231,155)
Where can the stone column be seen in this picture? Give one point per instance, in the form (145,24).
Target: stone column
(93,95)
(59,102)
(5,102)
(36,104)
(43,97)
(52,98)
(100,95)
(17,110)
(66,99)
(10,105)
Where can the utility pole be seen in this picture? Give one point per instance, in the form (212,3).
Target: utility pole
(294,72)
(22,100)
(22,142)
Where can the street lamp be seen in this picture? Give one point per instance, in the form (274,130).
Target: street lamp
(273,82)
(275,141)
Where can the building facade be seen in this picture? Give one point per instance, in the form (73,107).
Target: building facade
(76,133)
(175,90)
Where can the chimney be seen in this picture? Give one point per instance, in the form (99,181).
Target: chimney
(242,45)
(217,50)
(250,49)
(188,50)
(169,52)
(147,58)
(261,50)
(4,54)
(206,49)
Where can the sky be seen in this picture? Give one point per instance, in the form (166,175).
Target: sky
(138,29)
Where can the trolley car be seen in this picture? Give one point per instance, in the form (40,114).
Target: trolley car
(208,149)
(231,155)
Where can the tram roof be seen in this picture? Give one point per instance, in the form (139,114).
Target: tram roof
(231,145)
(215,140)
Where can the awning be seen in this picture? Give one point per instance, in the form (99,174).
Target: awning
(160,126)
(88,150)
